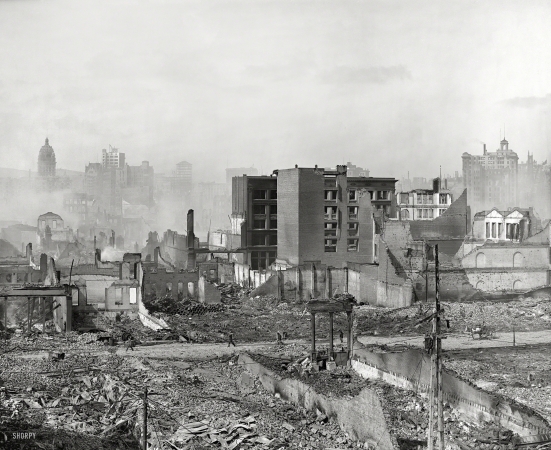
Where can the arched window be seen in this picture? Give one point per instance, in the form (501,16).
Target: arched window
(517,285)
(518,259)
(405,214)
(480,260)
(480,285)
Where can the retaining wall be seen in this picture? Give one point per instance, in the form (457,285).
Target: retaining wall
(411,370)
(362,416)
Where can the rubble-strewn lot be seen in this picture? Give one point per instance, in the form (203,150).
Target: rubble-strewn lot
(249,319)
(407,411)
(521,373)
(525,315)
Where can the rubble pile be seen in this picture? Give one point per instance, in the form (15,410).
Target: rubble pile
(168,306)
(520,315)
(76,399)
(232,293)
(521,374)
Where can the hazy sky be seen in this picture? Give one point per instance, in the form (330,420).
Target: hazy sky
(388,85)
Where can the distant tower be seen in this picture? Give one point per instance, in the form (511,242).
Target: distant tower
(46,161)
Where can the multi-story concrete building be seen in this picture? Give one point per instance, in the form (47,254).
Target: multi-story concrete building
(254,217)
(309,215)
(424,204)
(238,172)
(534,185)
(113,158)
(139,188)
(183,178)
(76,204)
(491,179)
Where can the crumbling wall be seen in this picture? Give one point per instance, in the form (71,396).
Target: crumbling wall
(362,282)
(162,282)
(394,289)
(207,293)
(411,370)
(63,315)
(225,272)
(362,416)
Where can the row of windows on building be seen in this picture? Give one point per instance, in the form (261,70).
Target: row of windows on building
(420,213)
(118,297)
(424,199)
(353,195)
(495,229)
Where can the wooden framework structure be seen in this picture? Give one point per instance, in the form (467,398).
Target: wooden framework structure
(330,307)
(43,293)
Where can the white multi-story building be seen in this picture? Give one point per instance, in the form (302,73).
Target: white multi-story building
(112,158)
(424,204)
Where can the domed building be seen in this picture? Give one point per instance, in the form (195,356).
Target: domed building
(46,161)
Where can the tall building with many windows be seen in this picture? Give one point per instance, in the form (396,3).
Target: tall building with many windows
(304,215)
(491,179)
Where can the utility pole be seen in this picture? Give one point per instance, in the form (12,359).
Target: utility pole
(435,390)
(440,407)
(145,419)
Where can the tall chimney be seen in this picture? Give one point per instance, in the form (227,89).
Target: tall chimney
(29,250)
(484,148)
(95,243)
(190,233)
(191,258)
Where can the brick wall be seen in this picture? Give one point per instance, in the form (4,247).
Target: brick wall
(156,283)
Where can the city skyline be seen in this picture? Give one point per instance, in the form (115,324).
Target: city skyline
(380,84)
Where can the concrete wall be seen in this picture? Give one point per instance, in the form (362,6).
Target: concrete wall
(411,370)
(362,282)
(63,315)
(517,267)
(158,283)
(362,416)
(117,297)
(288,214)
(207,293)
(394,289)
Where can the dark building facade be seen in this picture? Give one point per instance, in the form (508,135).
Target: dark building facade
(254,216)
(309,215)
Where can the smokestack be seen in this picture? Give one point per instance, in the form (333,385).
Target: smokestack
(112,238)
(98,256)
(29,250)
(190,231)
(191,261)
(95,243)
(484,148)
